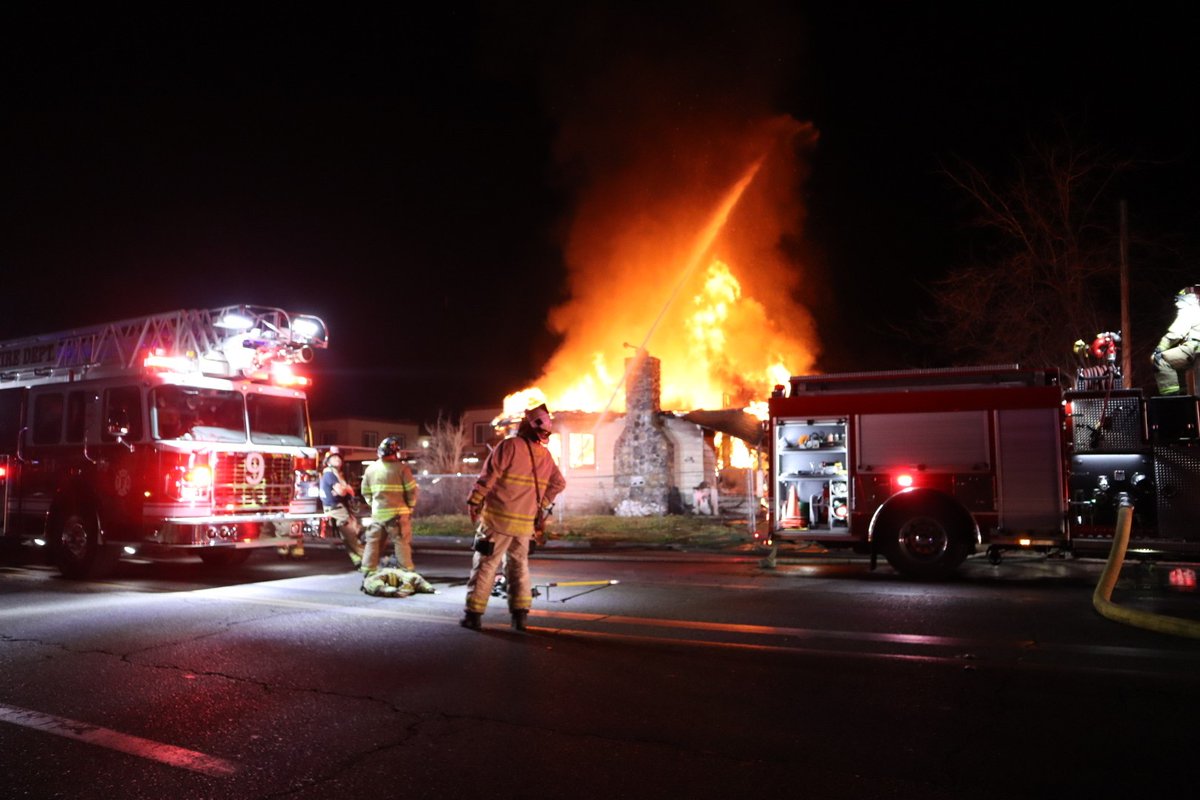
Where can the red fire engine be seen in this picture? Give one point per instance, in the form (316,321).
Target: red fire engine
(185,430)
(930,466)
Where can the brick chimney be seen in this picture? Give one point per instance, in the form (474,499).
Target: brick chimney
(643,454)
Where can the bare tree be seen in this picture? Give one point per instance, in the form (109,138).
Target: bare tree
(1048,275)
(447,443)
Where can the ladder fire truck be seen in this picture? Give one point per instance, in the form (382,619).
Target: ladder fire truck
(930,466)
(182,430)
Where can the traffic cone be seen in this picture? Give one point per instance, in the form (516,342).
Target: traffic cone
(793,517)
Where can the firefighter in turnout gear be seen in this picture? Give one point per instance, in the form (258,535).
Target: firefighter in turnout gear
(389,486)
(1177,350)
(392,582)
(515,490)
(336,496)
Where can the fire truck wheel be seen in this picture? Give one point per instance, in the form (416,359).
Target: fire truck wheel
(926,545)
(225,557)
(77,551)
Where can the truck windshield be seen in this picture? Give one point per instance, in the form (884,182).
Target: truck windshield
(203,415)
(277,420)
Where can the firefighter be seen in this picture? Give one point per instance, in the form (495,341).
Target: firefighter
(336,495)
(1177,350)
(515,490)
(389,486)
(392,582)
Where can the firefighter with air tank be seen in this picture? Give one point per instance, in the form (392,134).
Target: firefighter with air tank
(515,490)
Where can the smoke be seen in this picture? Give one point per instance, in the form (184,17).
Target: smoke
(659,114)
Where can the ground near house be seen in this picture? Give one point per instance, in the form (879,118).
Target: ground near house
(673,529)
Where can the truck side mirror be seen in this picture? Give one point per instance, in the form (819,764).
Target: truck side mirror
(118,428)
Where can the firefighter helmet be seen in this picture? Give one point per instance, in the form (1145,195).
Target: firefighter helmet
(389,447)
(334,452)
(539,421)
(1188,294)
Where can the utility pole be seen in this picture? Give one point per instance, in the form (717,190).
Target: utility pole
(1126,337)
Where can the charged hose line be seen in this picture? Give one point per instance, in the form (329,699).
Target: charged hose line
(1101,598)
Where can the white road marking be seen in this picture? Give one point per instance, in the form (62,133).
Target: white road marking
(167,754)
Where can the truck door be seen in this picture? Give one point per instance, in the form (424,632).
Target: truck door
(11,422)
(121,467)
(41,451)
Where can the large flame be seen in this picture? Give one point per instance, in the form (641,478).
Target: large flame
(639,251)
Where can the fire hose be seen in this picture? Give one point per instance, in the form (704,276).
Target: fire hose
(1102,597)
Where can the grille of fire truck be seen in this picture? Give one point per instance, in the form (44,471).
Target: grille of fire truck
(272,493)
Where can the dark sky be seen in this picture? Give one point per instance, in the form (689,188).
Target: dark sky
(409,175)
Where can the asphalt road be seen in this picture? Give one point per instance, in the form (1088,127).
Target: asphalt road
(694,675)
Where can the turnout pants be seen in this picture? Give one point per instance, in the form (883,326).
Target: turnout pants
(348,527)
(398,530)
(516,572)
(1170,364)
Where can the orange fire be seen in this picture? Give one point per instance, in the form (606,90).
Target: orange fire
(699,280)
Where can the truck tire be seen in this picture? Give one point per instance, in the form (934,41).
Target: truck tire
(926,544)
(224,557)
(75,546)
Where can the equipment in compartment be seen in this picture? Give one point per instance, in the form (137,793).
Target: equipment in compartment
(810,472)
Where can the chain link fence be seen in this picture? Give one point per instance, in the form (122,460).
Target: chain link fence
(447,494)
(443,494)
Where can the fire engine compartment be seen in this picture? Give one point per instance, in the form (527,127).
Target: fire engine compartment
(813,488)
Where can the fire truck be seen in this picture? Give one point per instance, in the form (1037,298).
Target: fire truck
(928,467)
(186,430)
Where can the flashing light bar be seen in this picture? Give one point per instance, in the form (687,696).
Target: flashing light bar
(160,360)
(284,375)
(234,322)
(308,328)
(904,480)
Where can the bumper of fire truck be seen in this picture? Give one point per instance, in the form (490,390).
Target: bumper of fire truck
(234,530)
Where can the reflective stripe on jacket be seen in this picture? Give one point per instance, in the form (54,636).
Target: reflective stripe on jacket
(507,490)
(390,488)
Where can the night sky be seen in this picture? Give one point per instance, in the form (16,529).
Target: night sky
(409,175)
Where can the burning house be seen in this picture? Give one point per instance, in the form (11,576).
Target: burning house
(684,255)
(648,462)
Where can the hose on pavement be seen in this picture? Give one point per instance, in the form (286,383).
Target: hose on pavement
(1102,597)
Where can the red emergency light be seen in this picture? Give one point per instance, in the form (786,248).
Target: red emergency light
(904,480)
(283,375)
(200,476)
(159,360)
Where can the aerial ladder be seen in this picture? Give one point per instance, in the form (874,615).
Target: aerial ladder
(230,342)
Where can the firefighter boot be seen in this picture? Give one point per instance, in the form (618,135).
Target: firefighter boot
(472,620)
(518,620)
